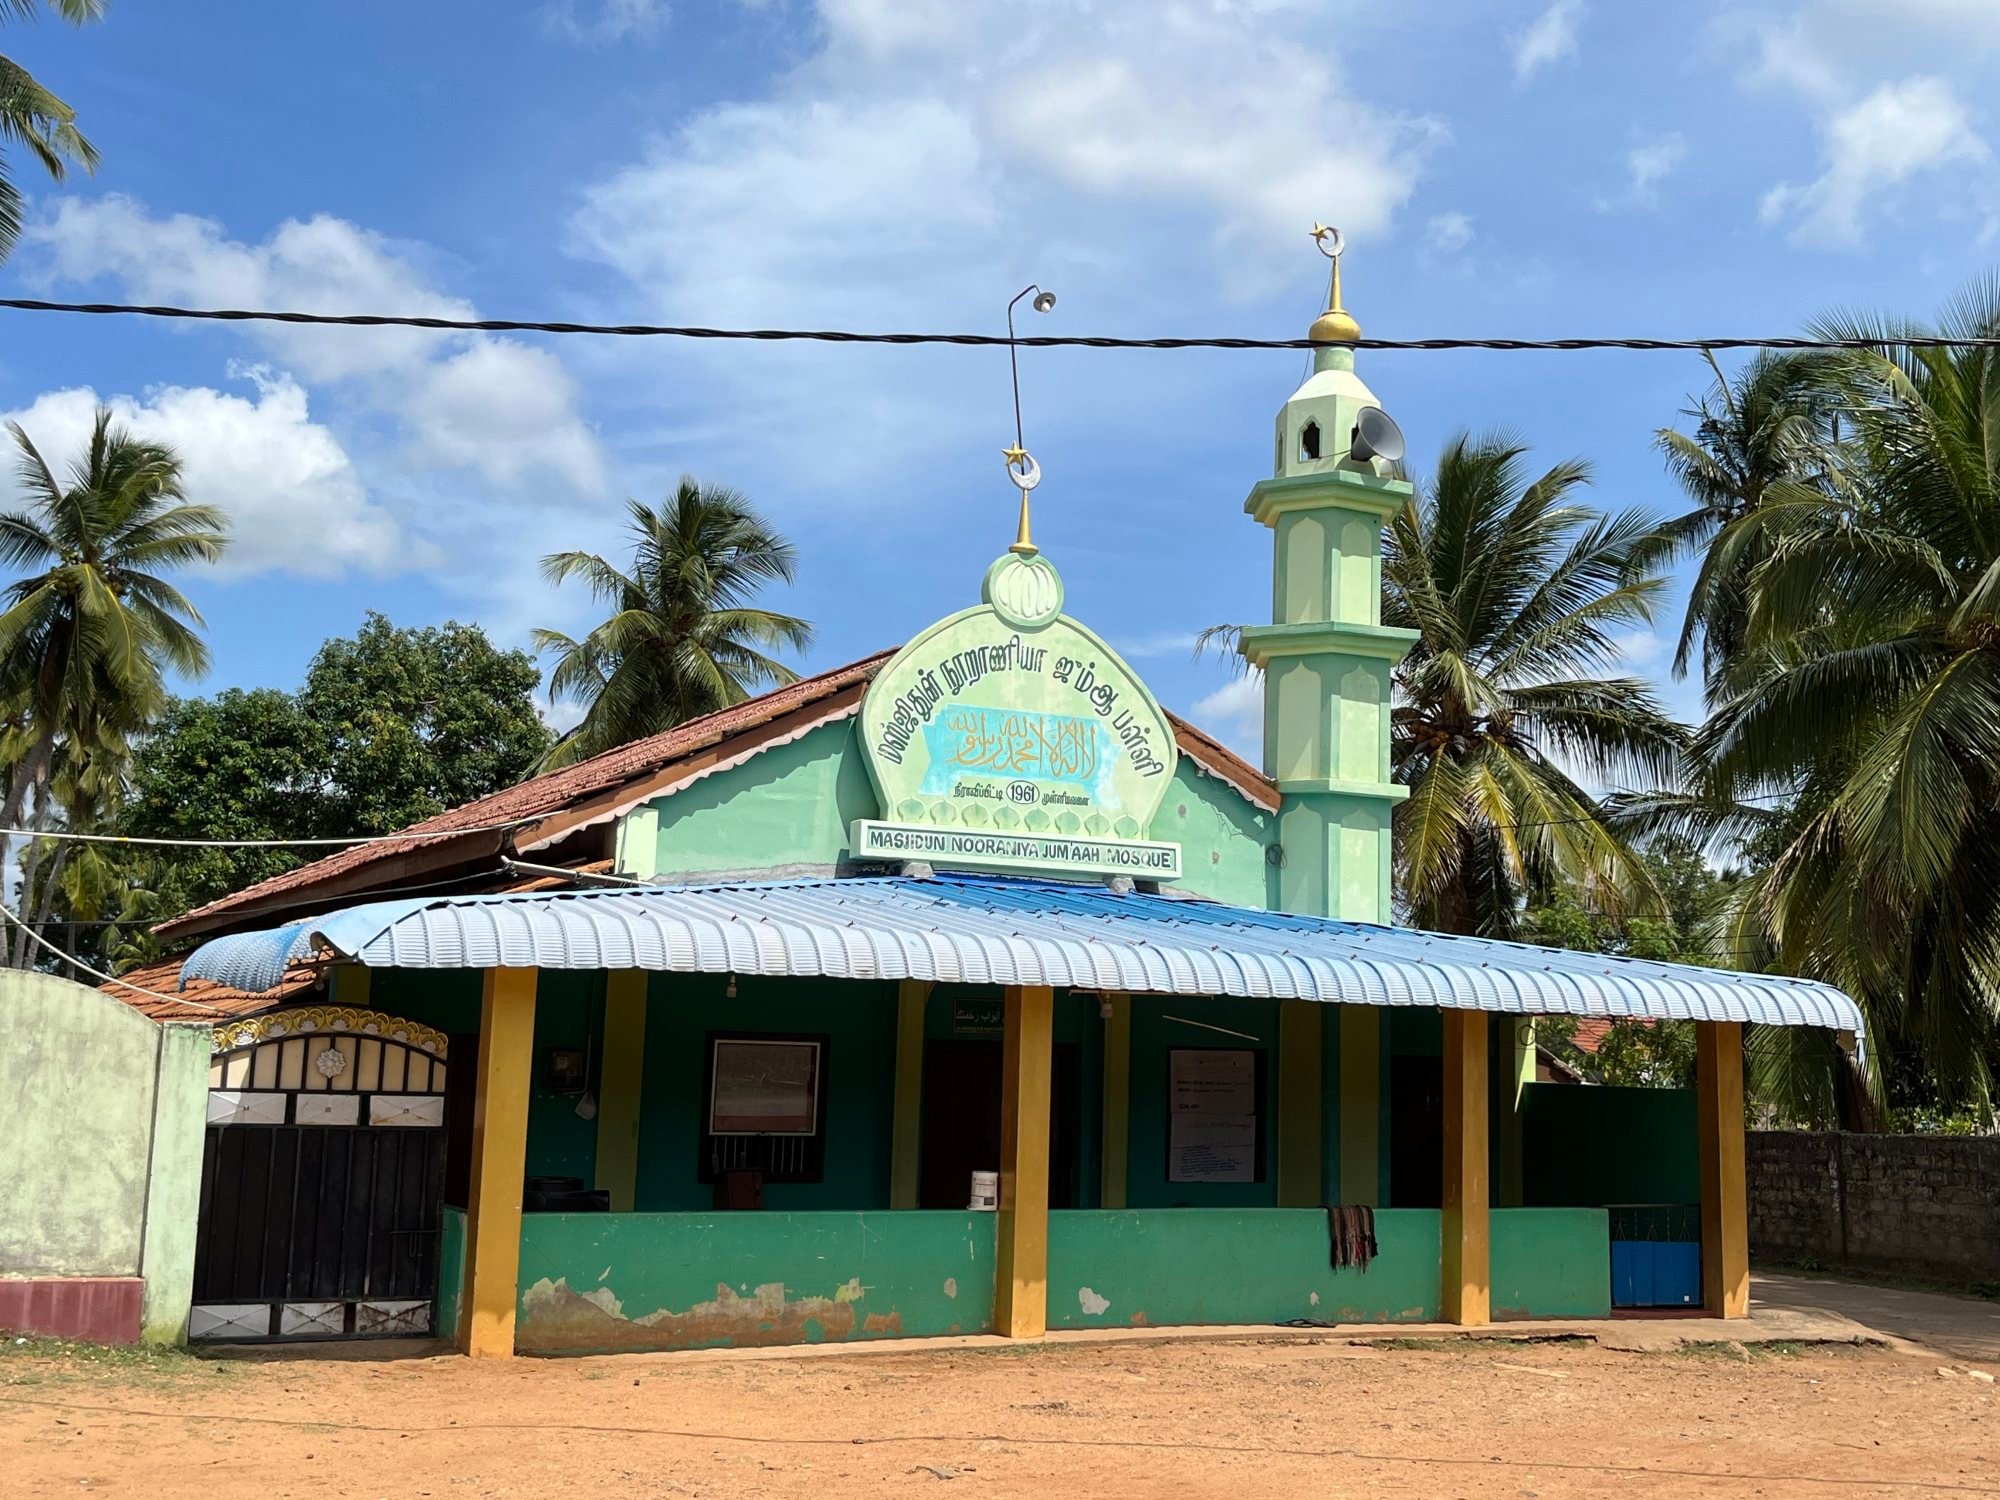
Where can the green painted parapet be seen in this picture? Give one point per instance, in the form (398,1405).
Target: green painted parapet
(1551,1263)
(601,1283)
(1157,1267)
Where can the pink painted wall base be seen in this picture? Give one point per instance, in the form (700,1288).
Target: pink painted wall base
(88,1309)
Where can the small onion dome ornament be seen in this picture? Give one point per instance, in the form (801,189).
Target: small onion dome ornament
(331,1063)
(1023,587)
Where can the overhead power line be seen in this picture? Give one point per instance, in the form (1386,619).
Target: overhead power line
(314,843)
(975,340)
(98,974)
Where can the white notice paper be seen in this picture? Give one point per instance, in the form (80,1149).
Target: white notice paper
(1212,1096)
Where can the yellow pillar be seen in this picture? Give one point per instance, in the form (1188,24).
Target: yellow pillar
(906,1139)
(621,1075)
(1117,1131)
(1301,1103)
(1725,1226)
(1021,1268)
(499,1164)
(1360,1104)
(1467,1251)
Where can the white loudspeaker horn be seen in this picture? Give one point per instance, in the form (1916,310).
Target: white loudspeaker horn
(1375,436)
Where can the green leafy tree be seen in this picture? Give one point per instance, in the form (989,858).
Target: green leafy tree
(36,120)
(1867,695)
(1516,591)
(91,626)
(683,638)
(1768,428)
(417,721)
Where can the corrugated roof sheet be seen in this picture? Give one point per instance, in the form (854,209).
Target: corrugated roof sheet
(973,930)
(556,791)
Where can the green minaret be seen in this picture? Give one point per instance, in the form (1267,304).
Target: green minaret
(1326,658)
(1326,655)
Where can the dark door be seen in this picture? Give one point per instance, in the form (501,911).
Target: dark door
(322,1184)
(1416,1132)
(961,1121)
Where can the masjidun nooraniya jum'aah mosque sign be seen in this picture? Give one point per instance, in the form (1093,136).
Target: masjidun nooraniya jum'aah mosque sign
(1010,737)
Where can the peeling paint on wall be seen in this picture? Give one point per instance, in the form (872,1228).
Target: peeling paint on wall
(557,1319)
(1093,1305)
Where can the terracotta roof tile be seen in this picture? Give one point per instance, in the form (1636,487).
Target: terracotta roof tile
(201,1000)
(541,796)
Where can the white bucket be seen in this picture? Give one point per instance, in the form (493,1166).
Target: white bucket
(985,1191)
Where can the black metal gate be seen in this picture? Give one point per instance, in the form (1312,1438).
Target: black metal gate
(322,1179)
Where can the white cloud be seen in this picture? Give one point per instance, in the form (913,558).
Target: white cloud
(1646,167)
(606,21)
(324,264)
(1885,81)
(927,142)
(1894,133)
(1550,39)
(1234,714)
(294,500)
(1448,233)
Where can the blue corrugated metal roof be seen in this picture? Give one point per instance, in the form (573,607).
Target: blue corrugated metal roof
(974,930)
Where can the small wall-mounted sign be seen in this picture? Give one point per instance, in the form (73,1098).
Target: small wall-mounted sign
(566,1070)
(978,1015)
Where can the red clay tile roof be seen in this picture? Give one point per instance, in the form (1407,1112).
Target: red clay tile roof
(557,791)
(201,1000)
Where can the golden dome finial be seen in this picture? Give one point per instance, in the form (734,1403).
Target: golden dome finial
(1335,325)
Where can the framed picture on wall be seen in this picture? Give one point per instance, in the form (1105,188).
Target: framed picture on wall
(763,1086)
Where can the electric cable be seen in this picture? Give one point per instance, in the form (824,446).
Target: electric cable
(977,340)
(98,974)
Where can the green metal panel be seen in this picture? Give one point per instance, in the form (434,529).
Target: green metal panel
(592,1283)
(1551,1263)
(451,1272)
(1123,1267)
(1584,1145)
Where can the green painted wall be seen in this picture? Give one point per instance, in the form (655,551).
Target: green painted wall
(451,1272)
(600,1282)
(1153,1035)
(1551,1263)
(569,1012)
(1584,1145)
(859,1021)
(788,810)
(1120,1267)
(104,1112)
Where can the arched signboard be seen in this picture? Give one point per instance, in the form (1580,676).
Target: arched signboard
(1009,737)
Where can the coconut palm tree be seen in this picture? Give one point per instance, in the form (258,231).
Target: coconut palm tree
(90,629)
(1869,696)
(34,118)
(1505,706)
(1769,426)
(683,638)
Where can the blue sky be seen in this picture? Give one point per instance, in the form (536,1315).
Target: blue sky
(1583,167)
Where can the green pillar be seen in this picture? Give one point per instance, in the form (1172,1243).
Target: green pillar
(1326,659)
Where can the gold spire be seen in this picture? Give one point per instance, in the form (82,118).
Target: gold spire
(1335,325)
(1020,467)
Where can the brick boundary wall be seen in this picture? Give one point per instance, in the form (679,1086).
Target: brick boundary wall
(1913,1205)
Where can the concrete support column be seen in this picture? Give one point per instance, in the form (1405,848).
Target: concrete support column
(1301,1103)
(499,1164)
(1725,1225)
(906,1138)
(1360,1105)
(621,1074)
(1021,1267)
(1467,1226)
(1117,1132)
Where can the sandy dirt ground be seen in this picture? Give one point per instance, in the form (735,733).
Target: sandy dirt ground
(1252,1417)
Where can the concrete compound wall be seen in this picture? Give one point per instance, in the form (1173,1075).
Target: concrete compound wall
(100,1162)
(1913,1205)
